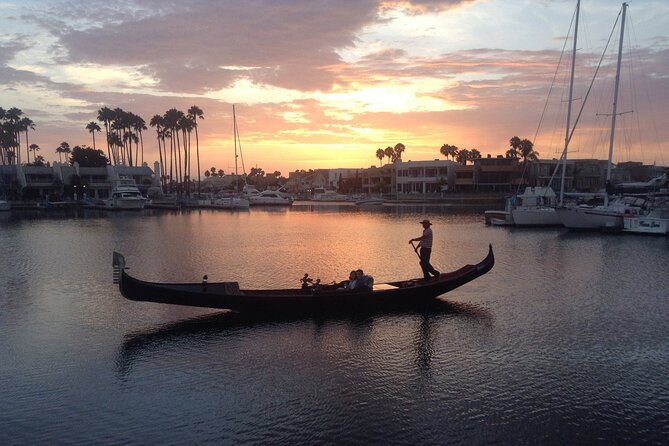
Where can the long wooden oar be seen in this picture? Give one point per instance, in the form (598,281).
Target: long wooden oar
(415,248)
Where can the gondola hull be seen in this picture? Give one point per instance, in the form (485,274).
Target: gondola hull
(227,295)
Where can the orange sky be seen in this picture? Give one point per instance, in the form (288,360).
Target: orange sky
(325,84)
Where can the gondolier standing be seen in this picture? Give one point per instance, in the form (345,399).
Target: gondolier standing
(425,245)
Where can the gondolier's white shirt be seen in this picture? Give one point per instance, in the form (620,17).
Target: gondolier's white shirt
(426,239)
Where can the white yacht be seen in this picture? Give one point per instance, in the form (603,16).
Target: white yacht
(536,208)
(230,201)
(329,195)
(500,217)
(125,195)
(655,222)
(266,197)
(608,216)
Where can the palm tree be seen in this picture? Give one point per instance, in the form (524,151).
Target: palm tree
(33,148)
(26,124)
(66,150)
(526,151)
(106,116)
(186,124)
(157,122)
(449,150)
(137,124)
(64,147)
(515,145)
(389,152)
(380,154)
(93,127)
(399,149)
(194,113)
(463,155)
(171,118)
(13,116)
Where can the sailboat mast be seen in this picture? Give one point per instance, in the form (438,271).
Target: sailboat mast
(234,135)
(571,95)
(615,100)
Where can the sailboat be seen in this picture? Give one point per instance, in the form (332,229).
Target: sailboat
(232,200)
(610,215)
(537,204)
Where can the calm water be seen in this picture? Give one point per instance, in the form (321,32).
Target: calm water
(565,341)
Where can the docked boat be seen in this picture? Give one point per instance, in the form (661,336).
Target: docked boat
(499,217)
(329,195)
(317,298)
(271,198)
(230,202)
(537,204)
(536,208)
(610,215)
(125,195)
(655,222)
(369,201)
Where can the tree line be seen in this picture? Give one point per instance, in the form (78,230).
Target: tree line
(174,131)
(392,153)
(14,124)
(519,148)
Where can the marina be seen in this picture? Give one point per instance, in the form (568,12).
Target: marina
(569,347)
(442,229)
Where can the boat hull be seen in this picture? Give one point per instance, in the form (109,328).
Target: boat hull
(260,201)
(227,295)
(499,218)
(656,222)
(125,204)
(230,203)
(536,216)
(589,218)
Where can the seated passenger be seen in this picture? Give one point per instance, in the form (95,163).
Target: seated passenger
(348,284)
(363,282)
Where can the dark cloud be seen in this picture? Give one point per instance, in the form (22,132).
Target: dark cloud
(190,46)
(10,76)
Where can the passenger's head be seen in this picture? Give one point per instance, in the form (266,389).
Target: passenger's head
(352,275)
(359,273)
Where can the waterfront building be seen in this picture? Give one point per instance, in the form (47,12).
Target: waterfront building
(378,180)
(61,181)
(424,177)
(496,173)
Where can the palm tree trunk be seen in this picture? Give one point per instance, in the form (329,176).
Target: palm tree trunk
(141,140)
(107,136)
(162,167)
(171,159)
(179,171)
(197,152)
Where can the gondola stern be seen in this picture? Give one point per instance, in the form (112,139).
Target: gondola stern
(487,263)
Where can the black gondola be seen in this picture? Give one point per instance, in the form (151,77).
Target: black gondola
(228,295)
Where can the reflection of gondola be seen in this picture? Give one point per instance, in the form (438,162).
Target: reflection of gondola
(324,298)
(228,323)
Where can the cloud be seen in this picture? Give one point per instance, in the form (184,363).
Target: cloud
(187,45)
